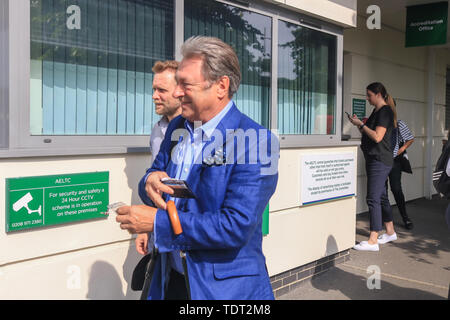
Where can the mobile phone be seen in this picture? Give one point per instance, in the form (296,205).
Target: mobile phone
(348,115)
(180,188)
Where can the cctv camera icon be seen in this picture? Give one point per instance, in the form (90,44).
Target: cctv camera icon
(23,203)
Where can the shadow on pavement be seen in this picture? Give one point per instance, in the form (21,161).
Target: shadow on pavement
(415,267)
(355,287)
(430,234)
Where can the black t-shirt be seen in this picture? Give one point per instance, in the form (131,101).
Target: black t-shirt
(381,151)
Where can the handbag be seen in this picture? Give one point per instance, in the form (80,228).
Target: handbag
(138,277)
(441,180)
(405,165)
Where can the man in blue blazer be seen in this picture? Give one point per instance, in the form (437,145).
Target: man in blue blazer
(231,165)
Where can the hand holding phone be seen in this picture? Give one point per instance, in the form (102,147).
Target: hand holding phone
(180,188)
(348,115)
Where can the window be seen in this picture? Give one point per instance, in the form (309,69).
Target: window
(250,35)
(306,80)
(91,64)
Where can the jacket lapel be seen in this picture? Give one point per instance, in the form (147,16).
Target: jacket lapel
(230,121)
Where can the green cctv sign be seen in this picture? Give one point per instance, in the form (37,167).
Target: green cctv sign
(33,202)
(426,24)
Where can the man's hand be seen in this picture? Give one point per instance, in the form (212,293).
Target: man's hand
(136,219)
(142,243)
(155,188)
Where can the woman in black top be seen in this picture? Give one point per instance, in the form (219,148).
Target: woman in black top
(376,144)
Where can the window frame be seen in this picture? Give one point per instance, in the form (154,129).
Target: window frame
(278,13)
(255,7)
(4,75)
(297,140)
(15,104)
(19,91)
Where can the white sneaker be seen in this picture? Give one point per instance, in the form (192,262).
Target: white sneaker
(385,238)
(365,246)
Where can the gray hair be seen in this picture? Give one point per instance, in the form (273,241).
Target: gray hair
(219,60)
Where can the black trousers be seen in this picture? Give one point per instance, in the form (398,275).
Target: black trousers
(395,182)
(176,288)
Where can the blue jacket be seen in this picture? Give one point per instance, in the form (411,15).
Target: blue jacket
(222,234)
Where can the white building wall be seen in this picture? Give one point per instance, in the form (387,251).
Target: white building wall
(91,259)
(95,259)
(299,235)
(380,55)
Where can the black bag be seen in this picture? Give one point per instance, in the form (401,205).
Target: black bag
(443,185)
(405,165)
(441,180)
(137,280)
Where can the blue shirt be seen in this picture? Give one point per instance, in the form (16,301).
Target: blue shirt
(157,136)
(186,153)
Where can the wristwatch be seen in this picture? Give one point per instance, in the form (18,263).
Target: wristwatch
(361,126)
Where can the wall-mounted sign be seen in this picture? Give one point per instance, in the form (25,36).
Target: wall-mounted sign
(359,108)
(426,24)
(327,177)
(33,202)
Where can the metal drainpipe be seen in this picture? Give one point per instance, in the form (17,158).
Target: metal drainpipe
(428,186)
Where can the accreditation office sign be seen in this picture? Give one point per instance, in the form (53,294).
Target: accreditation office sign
(33,202)
(327,177)
(426,24)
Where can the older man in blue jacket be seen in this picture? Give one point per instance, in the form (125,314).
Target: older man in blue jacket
(231,165)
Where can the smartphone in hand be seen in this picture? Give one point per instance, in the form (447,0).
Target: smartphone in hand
(180,188)
(348,115)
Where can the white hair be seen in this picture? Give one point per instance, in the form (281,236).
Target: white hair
(219,60)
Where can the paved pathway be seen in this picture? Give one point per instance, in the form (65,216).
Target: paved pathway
(416,266)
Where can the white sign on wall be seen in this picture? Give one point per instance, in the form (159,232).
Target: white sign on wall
(327,177)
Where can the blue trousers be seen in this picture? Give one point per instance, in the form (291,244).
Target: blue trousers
(377,199)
